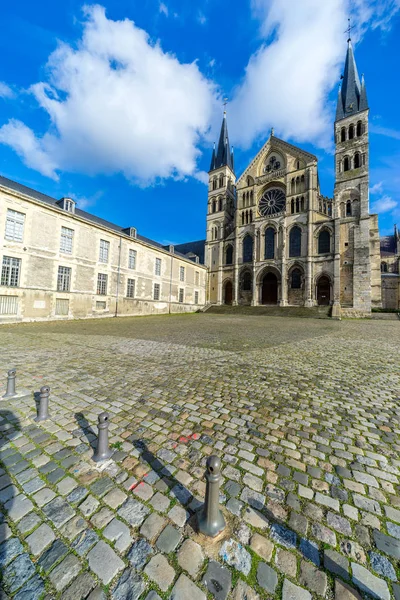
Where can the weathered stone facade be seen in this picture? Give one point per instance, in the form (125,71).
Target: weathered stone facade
(59,262)
(272,238)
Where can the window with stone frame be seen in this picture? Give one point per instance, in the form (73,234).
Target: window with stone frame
(181,294)
(132,259)
(295,241)
(181,273)
(158,266)
(66,240)
(196,297)
(247,248)
(104,251)
(64,279)
(156,291)
(14,225)
(295,279)
(130,288)
(10,271)
(102,284)
(269,243)
(324,242)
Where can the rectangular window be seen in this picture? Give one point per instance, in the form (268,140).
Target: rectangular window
(10,271)
(156,291)
(62,306)
(64,279)
(181,294)
(132,259)
(14,225)
(197,278)
(8,305)
(101,305)
(181,273)
(104,251)
(130,289)
(158,266)
(102,284)
(67,236)
(196,297)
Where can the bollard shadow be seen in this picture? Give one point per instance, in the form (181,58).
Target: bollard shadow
(167,480)
(86,429)
(9,427)
(36,397)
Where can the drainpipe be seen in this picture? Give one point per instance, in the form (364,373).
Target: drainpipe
(118,276)
(170,286)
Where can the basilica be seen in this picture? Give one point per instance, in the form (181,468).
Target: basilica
(273,238)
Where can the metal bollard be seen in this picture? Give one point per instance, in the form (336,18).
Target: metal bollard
(103,451)
(10,391)
(211,520)
(43,412)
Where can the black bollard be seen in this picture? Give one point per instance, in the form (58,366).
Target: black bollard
(103,451)
(10,391)
(211,520)
(43,411)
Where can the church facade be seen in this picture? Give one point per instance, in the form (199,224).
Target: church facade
(273,238)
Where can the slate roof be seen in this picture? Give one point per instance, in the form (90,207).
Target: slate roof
(352,97)
(197,248)
(22,189)
(388,244)
(224,155)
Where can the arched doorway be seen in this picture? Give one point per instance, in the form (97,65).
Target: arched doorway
(269,290)
(323,291)
(228,293)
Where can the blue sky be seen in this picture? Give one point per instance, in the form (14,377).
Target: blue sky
(117,104)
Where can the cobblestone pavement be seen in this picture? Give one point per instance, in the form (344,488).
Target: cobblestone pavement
(303,413)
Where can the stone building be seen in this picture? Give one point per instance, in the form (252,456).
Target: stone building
(273,238)
(60,262)
(390,270)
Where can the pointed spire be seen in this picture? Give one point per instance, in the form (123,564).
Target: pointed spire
(212,166)
(352,94)
(224,156)
(233,162)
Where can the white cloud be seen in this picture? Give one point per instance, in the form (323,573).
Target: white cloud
(163,9)
(377,188)
(384,204)
(386,131)
(28,147)
(5,90)
(117,103)
(288,80)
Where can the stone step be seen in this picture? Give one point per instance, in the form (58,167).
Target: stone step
(316,312)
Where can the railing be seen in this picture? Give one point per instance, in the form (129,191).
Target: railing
(8,305)
(271,176)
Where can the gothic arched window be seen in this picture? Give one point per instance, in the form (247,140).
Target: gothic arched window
(324,242)
(246,281)
(295,241)
(221,180)
(351,132)
(251,216)
(214,206)
(229,255)
(214,184)
(292,206)
(220,204)
(247,248)
(359,128)
(346,164)
(357,160)
(295,279)
(297,205)
(343,135)
(269,243)
(348,208)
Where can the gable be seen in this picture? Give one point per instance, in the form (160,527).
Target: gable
(283,149)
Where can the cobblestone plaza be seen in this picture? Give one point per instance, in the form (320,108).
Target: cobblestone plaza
(304,414)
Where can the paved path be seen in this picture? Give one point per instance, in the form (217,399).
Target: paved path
(303,413)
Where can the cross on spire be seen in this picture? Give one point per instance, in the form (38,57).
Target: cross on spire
(348,30)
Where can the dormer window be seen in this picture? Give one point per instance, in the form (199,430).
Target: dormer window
(67,204)
(131,231)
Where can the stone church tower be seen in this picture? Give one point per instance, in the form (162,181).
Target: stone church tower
(272,238)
